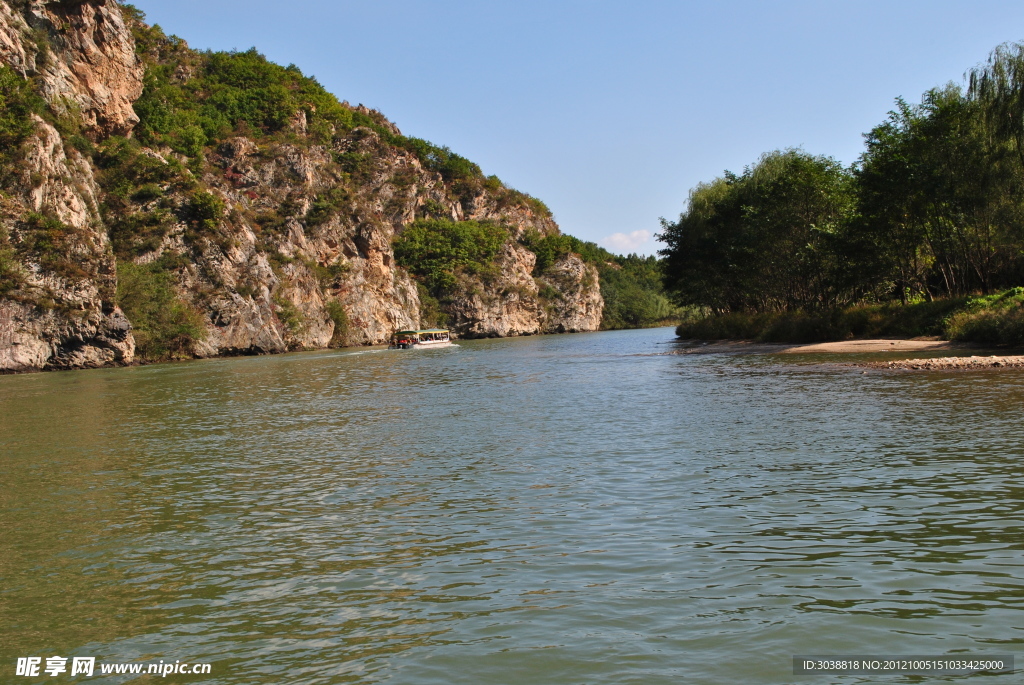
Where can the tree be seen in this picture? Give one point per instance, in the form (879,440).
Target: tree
(998,86)
(940,198)
(764,241)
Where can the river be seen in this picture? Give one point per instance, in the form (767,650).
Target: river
(591,508)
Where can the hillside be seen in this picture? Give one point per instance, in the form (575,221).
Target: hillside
(161,202)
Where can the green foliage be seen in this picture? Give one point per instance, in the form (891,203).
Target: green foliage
(290,315)
(224,91)
(137,233)
(53,244)
(131,178)
(765,241)
(358,165)
(940,201)
(131,12)
(341,323)
(434,209)
(18,102)
(126,170)
(546,292)
(633,295)
(165,326)
(436,250)
(451,166)
(877,320)
(996,319)
(327,205)
(12,276)
(998,87)
(431,313)
(630,286)
(329,275)
(193,100)
(206,210)
(934,209)
(548,248)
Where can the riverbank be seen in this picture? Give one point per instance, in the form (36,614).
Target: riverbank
(835,347)
(958,363)
(996,319)
(869,346)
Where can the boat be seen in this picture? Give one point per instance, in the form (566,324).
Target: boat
(421,339)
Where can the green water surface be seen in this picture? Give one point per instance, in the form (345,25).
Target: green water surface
(591,508)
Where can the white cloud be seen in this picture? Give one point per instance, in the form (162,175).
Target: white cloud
(625,242)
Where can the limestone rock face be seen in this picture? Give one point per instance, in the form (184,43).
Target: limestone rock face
(507,307)
(578,305)
(56,182)
(63,315)
(91,62)
(86,339)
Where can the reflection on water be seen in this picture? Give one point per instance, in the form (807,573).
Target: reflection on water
(566,509)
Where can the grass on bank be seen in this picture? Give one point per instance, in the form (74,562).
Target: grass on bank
(996,319)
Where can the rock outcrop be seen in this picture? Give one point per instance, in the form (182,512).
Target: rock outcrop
(273,243)
(92,65)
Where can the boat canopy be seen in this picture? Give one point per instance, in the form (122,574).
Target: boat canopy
(424,330)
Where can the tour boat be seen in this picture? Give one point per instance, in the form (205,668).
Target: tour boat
(420,340)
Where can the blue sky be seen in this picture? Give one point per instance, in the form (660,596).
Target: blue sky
(611,111)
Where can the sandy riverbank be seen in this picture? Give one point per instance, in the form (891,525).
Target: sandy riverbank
(841,347)
(870,346)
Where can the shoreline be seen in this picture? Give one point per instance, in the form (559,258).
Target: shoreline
(857,346)
(1011,360)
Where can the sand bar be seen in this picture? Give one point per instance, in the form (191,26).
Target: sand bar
(840,347)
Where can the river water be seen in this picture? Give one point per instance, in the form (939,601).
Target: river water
(593,508)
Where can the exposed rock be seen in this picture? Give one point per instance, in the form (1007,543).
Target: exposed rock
(59,185)
(958,363)
(13,36)
(64,315)
(508,307)
(91,63)
(579,305)
(33,341)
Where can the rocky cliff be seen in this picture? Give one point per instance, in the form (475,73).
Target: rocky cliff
(193,204)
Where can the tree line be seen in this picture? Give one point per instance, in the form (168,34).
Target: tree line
(933,208)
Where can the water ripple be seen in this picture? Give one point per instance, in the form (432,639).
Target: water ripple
(554,510)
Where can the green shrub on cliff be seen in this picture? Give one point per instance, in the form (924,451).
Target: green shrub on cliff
(226,90)
(55,246)
(548,248)
(436,250)
(17,104)
(339,316)
(165,326)
(206,210)
(12,276)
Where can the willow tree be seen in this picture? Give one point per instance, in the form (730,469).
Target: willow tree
(998,86)
(940,198)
